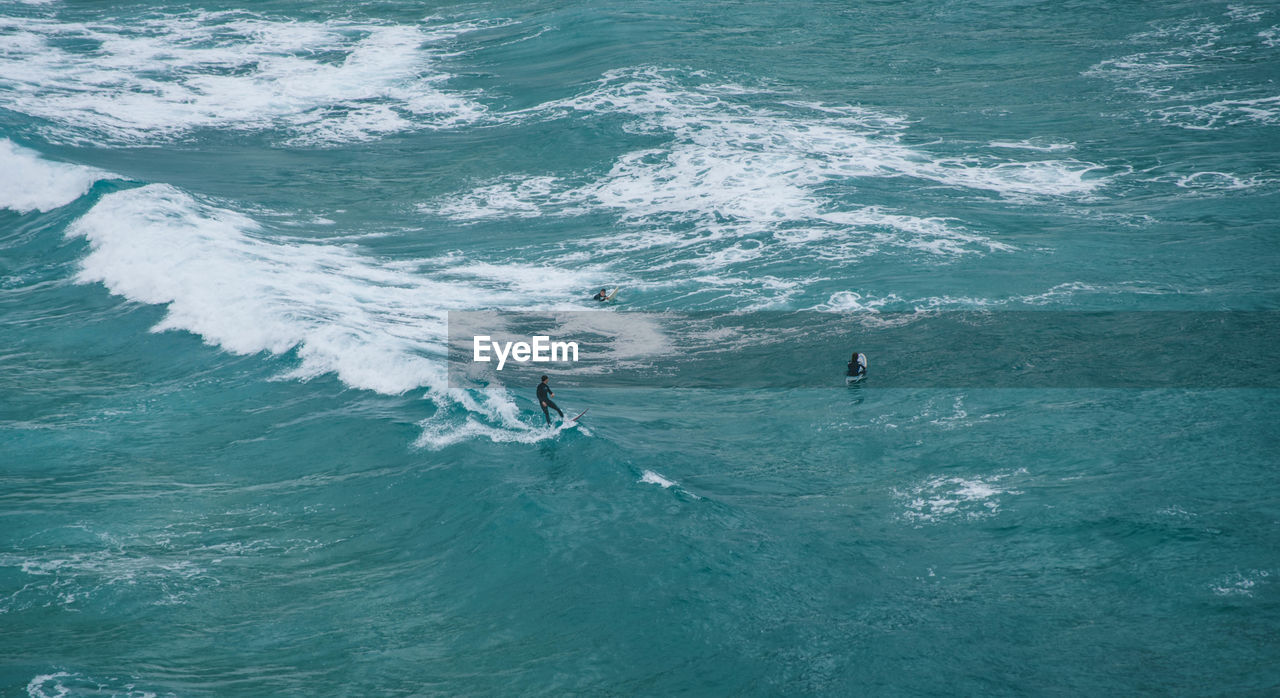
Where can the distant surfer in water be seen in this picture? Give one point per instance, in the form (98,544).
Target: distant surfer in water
(857,365)
(602,296)
(544,399)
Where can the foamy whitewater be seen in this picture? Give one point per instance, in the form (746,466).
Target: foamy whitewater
(29,183)
(234,463)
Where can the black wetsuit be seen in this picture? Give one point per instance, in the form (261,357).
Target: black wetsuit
(600,297)
(544,399)
(856,369)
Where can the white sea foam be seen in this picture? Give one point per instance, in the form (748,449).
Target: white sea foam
(734,153)
(1219,181)
(1190,74)
(941,498)
(745,179)
(1240,583)
(224,280)
(1245,13)
(376,326)
(874,306)
(166,566)
(441,433)
(71,574)
(1225,112)
(1068,291)
(1156,73)
(516,198)
(652,478)
(853,302)
(48,685)
(1064,293)
(63,683)
(29,182)
(157,78)
(1033,144)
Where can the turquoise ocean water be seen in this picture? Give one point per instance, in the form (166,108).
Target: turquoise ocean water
(231,463)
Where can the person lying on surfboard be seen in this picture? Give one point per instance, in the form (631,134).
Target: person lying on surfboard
(544,399)
(604,295)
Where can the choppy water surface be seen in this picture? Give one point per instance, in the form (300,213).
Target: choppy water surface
(231,462)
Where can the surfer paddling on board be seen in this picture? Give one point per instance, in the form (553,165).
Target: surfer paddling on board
(604,295)
(544,399)
(857,365)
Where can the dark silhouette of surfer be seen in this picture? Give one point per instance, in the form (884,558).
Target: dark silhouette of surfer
(857,365)
(544,399)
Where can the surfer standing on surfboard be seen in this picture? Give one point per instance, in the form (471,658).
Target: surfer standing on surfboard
(544,399)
